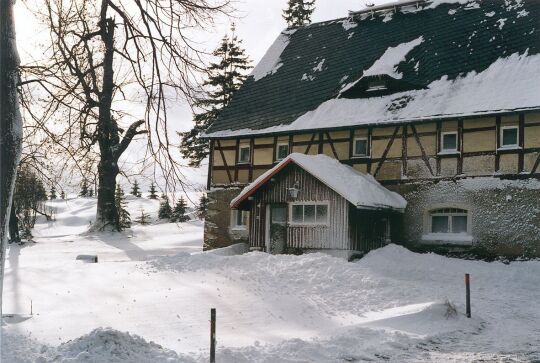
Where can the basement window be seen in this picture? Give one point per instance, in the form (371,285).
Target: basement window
(449,142)
(239,219)
(309,213)
(509,136)
(376,85)
(361,147)
(282,150)
(244,154)
(449,220)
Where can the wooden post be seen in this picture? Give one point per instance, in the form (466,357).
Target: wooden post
(213,335)
(468,294)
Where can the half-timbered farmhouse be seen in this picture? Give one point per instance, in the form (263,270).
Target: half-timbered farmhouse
(417,122)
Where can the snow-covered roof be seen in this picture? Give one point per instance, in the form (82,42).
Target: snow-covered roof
(360,189)
(450,58)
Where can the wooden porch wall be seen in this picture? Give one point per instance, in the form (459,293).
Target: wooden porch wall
(333,236)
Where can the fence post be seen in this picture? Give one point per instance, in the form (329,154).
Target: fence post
(213,335)
(468,294)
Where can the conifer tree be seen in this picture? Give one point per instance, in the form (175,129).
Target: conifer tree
(143,218)
(84,189)
(52,194)
(179,212)
(90,192)
(298,12)
(225,77)
(163,196)
(63,195)
(202,208)
(135,190)
(153,191)
(124,218)
(165,210)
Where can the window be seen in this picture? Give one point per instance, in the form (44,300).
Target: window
(449,220)
(361,147)
(449,141)
(282,150)
(376,85)
(509,136)
(244,154)
(239,219)
(309,213)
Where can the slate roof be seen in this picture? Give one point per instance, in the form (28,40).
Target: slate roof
(359,189)
(457,39)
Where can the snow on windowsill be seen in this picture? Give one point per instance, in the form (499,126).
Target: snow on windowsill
(449,152)
(448,238)
(509,147)
(361,157)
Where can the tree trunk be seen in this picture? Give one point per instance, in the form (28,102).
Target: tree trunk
(107,214)
(10,125)
(14,226)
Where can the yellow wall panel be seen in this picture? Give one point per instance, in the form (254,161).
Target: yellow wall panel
(243,176)
(390,170)
(479,141)
(448,166)
(508,163)
(532,117)
(479,165)
(264,140)
(303,137)
(263,156)
(510,119)
(530,160)
(449,126)
(429,127)
(385,131)
(220,177)
(360,167)
(532,136)
(479,122)
(362,133)
(378,147)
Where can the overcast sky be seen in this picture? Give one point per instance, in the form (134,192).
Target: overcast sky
(258,23)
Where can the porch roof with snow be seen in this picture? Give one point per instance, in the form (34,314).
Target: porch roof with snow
(443,58)
(360,189)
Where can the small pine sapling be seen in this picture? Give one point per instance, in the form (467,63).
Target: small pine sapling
(63,195)
(179,212)
(153,191)
(165,210)
(143,218)
(91,192)
(124,218)
(135,190)
(202,208)
(52,195)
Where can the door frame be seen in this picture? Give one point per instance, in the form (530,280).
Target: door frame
(268,223)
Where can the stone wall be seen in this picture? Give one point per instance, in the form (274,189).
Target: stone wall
(217,231)
(504,214)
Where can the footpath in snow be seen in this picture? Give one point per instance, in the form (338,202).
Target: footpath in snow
(149,297)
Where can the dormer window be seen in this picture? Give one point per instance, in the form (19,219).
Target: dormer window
(377,85)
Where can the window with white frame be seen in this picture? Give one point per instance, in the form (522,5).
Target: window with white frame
(282,150)
(361,147)
(449,220)
(309,213)
(509,136)
(239,219)
(449,141)
(244,154)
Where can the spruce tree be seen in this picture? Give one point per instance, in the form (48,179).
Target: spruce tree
(153,191)
(84,189)
(52,195)
(143,218)
(165,210)
(179,212)
(124,218)
(225,77)
(90,192)
(135,190)
(202,208)
(298,12)
(63,195)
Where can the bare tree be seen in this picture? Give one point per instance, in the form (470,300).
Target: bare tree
(107,56)
(10,124)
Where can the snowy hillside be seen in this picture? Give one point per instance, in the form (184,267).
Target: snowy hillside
(154,282)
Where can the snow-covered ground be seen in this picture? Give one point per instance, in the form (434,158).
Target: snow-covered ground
(155,283)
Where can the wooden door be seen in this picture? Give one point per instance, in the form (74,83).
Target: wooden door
(278,228)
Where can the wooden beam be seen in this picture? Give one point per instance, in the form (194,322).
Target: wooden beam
(321,143)
(521,155)
(422,150)
(404,151)
(370,138)
(251,159)
(236,156)
(460,147)
(210,165)
(310,143)
(351,143)
(224,161)
(498,144)
(274,149)
(332,146)
(385,153)
(438,147)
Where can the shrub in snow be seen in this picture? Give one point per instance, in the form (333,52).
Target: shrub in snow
(165,210)
(143,218)
(179,212)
